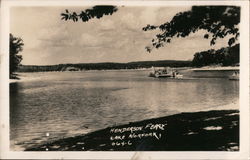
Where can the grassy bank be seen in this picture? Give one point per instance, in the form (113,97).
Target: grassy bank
(199,131)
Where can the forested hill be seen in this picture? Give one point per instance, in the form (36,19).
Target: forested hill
(103,66)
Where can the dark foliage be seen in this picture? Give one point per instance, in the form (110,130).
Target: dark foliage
(16,46)
(225,56)
(95,12)
(218,21)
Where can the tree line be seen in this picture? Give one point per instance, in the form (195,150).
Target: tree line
(225,56)
(15,47)
(103,66)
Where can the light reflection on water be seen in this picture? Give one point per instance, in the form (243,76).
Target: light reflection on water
(71,103)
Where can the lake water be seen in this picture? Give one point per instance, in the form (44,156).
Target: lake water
(53,105)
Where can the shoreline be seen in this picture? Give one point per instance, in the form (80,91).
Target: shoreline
(217,68)
(214,130)
(206,68)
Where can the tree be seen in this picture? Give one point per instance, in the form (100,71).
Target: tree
(224,56)
(95,12)
(16,46)
(217,21)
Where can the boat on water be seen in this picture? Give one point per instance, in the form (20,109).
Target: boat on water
(235,76)
(164,72)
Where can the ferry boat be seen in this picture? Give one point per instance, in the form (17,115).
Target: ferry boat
(164,72)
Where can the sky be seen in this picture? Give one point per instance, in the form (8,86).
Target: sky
(119,37)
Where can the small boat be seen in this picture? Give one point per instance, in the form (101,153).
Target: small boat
(164,72)
(235,76)
(178,75)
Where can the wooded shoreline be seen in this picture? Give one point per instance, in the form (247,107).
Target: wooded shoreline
(102,66)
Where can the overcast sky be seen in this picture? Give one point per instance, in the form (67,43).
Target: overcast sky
(116,38)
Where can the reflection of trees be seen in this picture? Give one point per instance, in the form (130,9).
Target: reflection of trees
(14,103)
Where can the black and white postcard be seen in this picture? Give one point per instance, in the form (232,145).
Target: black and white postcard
(124,79)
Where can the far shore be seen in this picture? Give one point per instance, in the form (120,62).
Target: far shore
(214,130)
(217,68)
(205,68)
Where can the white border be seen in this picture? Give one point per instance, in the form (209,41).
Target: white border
(4,87)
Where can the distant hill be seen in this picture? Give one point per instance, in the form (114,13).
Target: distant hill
(103,66)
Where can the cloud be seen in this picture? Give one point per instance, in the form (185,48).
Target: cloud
(130,21)
(106,24)
(118,37)
(89,39)
(149,15)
